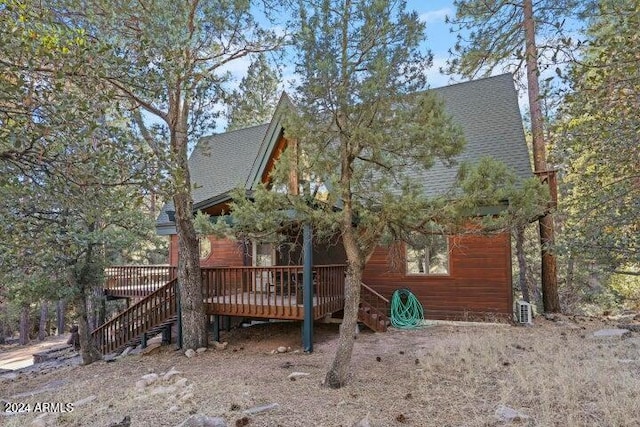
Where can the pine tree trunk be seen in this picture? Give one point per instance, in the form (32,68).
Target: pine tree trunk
(194,319)
(60,311)
(42,327)
(24,324)
(522,264)
(338,373)
(550,297)
(88,351)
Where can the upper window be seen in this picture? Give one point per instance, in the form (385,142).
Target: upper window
(429,256)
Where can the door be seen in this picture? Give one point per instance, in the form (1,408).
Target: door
(263,256)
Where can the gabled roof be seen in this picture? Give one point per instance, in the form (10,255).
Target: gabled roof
(488,112)
(486,109)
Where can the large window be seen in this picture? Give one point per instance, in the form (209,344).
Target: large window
(428,255)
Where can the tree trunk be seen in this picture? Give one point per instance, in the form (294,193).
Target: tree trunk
(42,327)
(60,310)
(194,318)
(522,263)
(338,373)
(24,324)
(550,297)
(88,351)
(194,321)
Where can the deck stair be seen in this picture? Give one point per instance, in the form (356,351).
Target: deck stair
(142,320)
(374,309)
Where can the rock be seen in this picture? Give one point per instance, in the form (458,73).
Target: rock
(220,345)
(200,420)
(164,390)
(151,349)
(635,327)
(182,382)
(505,414)
(190,353)
(174,409)
(363,422)
(201,350)
(282,349)
(150,378)
(170,374)
(297,375)
(126,351)
(185,397)
(612,333)
(141,384)
(259,409)
(126,422)
(84,401)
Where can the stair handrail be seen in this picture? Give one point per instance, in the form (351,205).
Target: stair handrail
(105,326)
(374,292)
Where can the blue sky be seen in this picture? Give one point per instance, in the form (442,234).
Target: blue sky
(439,39)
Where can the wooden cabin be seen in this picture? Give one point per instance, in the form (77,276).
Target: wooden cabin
(465,276)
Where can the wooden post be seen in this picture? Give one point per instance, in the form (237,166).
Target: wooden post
(216,328)
(307,294)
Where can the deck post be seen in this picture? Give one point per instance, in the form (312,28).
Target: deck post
(216,328)
(179,319)
(144,340)
(307,275)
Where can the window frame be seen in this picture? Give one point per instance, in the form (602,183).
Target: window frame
(425,259)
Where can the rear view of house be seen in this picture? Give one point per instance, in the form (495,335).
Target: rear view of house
(457,276)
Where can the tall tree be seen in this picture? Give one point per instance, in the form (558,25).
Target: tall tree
(361,125)
(66,178)
(165,59)
(502,33)
(600,144)
(255,99)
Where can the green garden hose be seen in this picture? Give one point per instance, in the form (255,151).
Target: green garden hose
(406,310)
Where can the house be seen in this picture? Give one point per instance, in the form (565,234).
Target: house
(464,276)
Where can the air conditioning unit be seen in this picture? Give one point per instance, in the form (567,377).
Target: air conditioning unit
(523,312)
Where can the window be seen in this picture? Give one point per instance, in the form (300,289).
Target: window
(428,256)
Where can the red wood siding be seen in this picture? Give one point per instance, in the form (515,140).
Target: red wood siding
(478,286)
(224,253)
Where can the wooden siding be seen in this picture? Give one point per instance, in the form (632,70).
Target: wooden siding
(224,253)
(477,288)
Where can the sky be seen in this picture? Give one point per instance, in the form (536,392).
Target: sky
(439,41)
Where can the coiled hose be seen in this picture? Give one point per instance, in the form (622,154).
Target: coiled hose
(406,310)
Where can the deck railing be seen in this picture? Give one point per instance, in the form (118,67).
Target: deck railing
(152,311)
(137,280)
(274,291)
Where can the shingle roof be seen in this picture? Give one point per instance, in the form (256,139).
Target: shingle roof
(488,112)
(219,163)
(486,109)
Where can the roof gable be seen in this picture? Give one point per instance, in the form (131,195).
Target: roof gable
(486,109)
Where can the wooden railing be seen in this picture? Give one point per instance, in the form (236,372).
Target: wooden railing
(374,309)
(137,280)
(271,291)
(155,310)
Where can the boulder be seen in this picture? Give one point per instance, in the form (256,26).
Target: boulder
(190,353)
(200,420)
(506,415)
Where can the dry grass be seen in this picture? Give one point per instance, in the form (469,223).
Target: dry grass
(437,376)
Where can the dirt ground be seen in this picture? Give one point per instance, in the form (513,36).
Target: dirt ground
(553,373)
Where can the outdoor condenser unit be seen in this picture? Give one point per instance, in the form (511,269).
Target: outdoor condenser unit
(523,312)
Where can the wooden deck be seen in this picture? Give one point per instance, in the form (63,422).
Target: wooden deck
(259,292)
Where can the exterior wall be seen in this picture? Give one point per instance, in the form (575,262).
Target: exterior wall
(477,288)
(224,253)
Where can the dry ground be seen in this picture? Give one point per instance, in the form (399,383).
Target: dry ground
(445,375)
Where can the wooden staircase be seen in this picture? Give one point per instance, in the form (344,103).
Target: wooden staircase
(374,309)
(146,318)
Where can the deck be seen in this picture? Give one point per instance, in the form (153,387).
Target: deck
(258,292)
